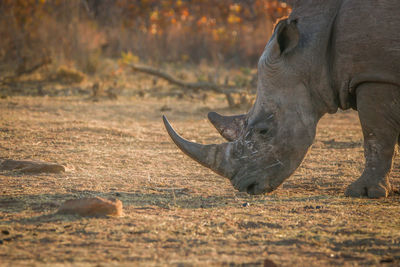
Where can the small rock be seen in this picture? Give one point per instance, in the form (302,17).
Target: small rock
(95,206)
(5,232)
(269,263)
(165,108)
(246,204)
(386,260)
(28,166)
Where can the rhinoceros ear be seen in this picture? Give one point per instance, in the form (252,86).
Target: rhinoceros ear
(287,35)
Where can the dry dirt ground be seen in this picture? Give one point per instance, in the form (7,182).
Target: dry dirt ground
(177,212)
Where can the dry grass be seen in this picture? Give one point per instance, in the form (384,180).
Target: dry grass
(177,212)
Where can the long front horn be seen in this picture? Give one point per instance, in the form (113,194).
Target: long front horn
(230,127)
(215,157)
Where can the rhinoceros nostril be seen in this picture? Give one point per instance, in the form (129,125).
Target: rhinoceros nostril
(251,189)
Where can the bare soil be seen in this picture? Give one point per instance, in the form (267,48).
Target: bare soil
(178,213)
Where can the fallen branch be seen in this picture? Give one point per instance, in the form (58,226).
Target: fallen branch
(218,88)
(22,70)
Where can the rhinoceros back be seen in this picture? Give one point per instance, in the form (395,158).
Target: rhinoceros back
(367,42)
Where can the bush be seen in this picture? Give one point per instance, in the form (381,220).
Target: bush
(227,32)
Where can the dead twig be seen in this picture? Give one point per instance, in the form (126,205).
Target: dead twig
(218,88)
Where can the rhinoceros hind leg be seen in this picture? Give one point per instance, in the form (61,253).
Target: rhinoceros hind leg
(379,121)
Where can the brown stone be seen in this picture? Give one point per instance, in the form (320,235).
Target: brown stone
(28,166)
(269,263)
(95,206)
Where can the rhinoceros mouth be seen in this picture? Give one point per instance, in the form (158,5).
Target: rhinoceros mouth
(252,187)
(243,184)
(258,181)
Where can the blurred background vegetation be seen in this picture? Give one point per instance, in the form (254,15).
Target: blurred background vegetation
(88,38)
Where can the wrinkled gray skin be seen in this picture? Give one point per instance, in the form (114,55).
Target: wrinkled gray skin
(326,55)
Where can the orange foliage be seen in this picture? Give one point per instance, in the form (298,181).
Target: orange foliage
(230,31)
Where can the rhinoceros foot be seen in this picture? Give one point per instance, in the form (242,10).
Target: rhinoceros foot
(364,188)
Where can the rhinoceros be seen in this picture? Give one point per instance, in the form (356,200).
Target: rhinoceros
(327,55)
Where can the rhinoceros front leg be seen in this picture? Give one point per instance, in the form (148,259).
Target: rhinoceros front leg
(379,111)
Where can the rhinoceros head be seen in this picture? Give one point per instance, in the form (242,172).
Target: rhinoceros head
(269,142)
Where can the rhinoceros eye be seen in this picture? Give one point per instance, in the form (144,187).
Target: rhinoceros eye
(262,124)
(262,129)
